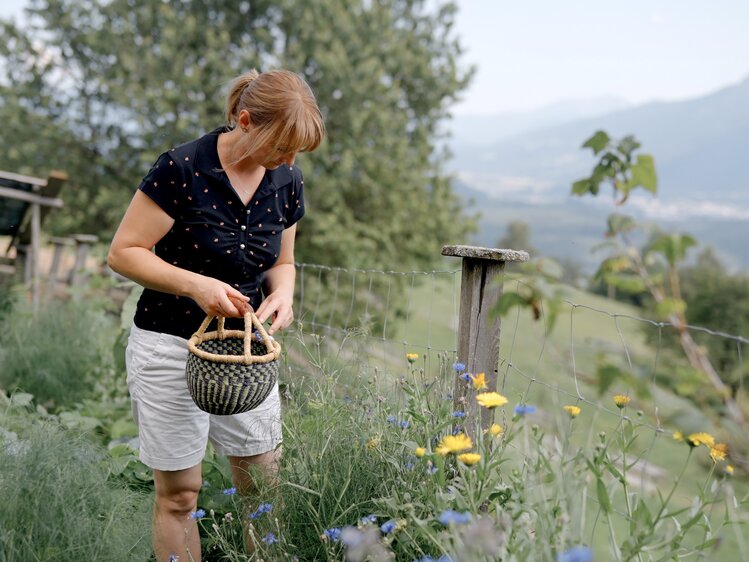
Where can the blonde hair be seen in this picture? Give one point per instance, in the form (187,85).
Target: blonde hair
(282,108)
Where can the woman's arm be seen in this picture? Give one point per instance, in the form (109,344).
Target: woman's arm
(143,225)
(279,284)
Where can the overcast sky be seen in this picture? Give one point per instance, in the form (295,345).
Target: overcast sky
(534,53)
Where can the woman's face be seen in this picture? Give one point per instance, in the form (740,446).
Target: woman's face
(271,158)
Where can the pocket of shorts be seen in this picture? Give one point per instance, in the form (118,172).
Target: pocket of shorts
(142,350)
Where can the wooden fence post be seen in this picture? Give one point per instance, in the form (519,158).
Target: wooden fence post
(478,326)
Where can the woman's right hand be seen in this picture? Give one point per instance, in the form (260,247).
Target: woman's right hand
(217,298)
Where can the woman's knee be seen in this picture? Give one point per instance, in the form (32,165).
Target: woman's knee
(177,502)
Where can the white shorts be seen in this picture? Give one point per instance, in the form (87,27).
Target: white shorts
(173,431)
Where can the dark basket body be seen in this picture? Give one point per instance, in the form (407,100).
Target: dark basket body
(224,389)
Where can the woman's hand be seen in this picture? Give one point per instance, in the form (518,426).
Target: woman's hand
(278,305)
(217,298)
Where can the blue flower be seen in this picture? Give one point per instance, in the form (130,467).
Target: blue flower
(270,538)
(388,527)
(258,336)
(522,410)
(199,514)
(404,424)
(443,558)
(173,558)
(409,466)
(449,516)
(230,491)
(459,367)
(431,469)
(368,519)
(459,414)
(334,534)
(392,419)
(465,377)
(262,508)
(576,554)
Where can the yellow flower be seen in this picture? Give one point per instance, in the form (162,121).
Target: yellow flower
(412,357)
(495,429)
(469,458)
(454,444)
(621,400)
(573,411)
(718,452)
(701,438)
(479,381)
(491,400)
(729,470)
(678,436)
(373,443)
(420,452)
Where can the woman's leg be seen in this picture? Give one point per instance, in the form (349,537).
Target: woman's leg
(175,533)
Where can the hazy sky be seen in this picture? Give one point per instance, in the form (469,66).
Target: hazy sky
(536,52)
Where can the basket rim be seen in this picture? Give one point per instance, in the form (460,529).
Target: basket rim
(247,358)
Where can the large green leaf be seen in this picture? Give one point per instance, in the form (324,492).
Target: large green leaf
(642,174)
(673,247)
(597,142)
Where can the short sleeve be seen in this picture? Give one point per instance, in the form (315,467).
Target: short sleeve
(296,199)
(161,184)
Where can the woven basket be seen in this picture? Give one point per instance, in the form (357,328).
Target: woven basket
(228,371)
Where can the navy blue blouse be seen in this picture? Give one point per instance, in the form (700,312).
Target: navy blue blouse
(214,233)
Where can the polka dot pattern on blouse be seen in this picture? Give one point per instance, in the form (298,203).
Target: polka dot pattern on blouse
(214,232)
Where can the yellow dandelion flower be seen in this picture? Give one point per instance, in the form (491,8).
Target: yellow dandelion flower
(420,452)
(701,438)
(573,411)
(479,381)
(621,400)
(454,444)
(412,357)
(469,458)
(729,470)
(678,436)
(718,452)
(373,443)
(495,429)
(491,400)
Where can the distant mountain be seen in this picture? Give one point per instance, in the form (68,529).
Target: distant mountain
(699,146)
(477,130)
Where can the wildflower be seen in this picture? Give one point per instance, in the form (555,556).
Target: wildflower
(230,491)
(678,436)
(523,409)
(449,516)
(701,438)
(573,411)
(173,558)
(258,336)
(454,444)
(491,400)
(269,539)
(495,429)
(459,414)
(388,527)
(469,458)
(443,558)
(404,424)
(459,367)
(392,419)
(409,466)
(420,452)
(368,519)
(228,517)
(718,452)
(621,400)
(466,377)
(373,443)
(412,357)
(262,508)
(333,534)
(431,469)
(576,554)
(479,381)
(199,514)
(729,470)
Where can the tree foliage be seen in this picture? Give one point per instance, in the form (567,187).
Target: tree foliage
(99,88)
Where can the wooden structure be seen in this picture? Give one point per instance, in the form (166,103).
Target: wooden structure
(478,324)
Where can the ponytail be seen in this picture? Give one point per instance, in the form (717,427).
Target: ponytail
(236,90)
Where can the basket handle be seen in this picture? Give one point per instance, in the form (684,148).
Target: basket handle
(250,320)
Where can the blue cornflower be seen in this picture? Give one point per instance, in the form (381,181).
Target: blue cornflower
(431,469)
(230,491)
(409,466)
(262,508)
(449,516)
(465,377)
(334,534)
(388,527)
(258,336)
(522,410)
(443,558)
(404,424)
(459,414)
(200,513)
(392,419)
(270,538)
(368,519)
(576,554)
(173,558)
(459,367)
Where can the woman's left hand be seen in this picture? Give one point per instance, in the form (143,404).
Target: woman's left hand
(278,306)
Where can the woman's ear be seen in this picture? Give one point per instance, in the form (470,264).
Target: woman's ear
(244,120)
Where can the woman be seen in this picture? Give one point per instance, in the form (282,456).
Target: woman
(221,212)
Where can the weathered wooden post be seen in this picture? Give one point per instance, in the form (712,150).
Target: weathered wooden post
(478,326)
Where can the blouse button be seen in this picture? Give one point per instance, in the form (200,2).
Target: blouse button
(243,227)
(248,211)
(241,246)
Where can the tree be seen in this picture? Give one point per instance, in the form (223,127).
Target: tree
(517,237)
